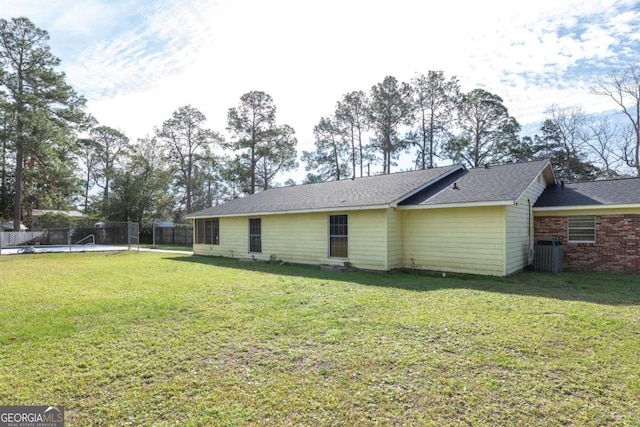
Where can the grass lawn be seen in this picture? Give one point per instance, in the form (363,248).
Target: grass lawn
(167,339)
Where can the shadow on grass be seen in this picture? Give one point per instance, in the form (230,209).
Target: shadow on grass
(608,289)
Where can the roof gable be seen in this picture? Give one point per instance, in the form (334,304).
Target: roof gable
(592,193)
(368,192)
(494,184)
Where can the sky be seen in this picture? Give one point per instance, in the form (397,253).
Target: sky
(137,61)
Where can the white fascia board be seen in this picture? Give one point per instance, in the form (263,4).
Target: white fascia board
(298,211)
(458,205)
(547,165)
(586,207)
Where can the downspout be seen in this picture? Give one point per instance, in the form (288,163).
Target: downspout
(529,243)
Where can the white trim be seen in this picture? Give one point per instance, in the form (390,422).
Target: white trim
(594,228)
(547,165)
(586,207)
(459,205)
(298,211)
(392,204)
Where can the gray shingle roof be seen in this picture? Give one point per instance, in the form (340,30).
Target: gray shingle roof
(498,183)
(379,190)
(593,193)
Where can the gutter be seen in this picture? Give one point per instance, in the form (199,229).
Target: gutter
(586,207)
(296,211)
(459,205)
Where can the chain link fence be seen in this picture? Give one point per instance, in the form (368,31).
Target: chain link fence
(176,235)
(99,233)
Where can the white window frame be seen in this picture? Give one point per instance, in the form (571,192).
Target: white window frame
(576,228)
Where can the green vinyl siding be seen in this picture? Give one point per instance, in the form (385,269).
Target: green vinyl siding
(233,239)
(304,238)
(519,229)
(368,239)
(465,240)
(394,239)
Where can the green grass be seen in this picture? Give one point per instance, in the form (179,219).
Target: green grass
(164,339)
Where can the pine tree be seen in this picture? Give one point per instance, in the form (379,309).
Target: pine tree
(44,109)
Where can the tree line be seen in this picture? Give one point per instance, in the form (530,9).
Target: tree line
(56,156)
(430,119)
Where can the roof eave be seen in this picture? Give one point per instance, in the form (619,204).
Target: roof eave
(587,207)
(460,205)
(294,211)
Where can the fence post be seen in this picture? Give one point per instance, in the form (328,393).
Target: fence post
(133,227)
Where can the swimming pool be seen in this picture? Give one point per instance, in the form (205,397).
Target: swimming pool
(41,249)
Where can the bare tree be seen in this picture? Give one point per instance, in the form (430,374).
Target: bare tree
(603,138)
(623,87)
(566,126)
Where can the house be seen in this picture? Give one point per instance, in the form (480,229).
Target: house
(8,226)
(36,214)
(597,222)
(451,219)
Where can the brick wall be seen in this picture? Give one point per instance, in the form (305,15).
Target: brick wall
(616,250)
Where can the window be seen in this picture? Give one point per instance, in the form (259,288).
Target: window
(255,235)
(338,236)
(208,231)
(582,229)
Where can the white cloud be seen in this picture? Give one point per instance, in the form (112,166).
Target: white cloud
(139,61)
